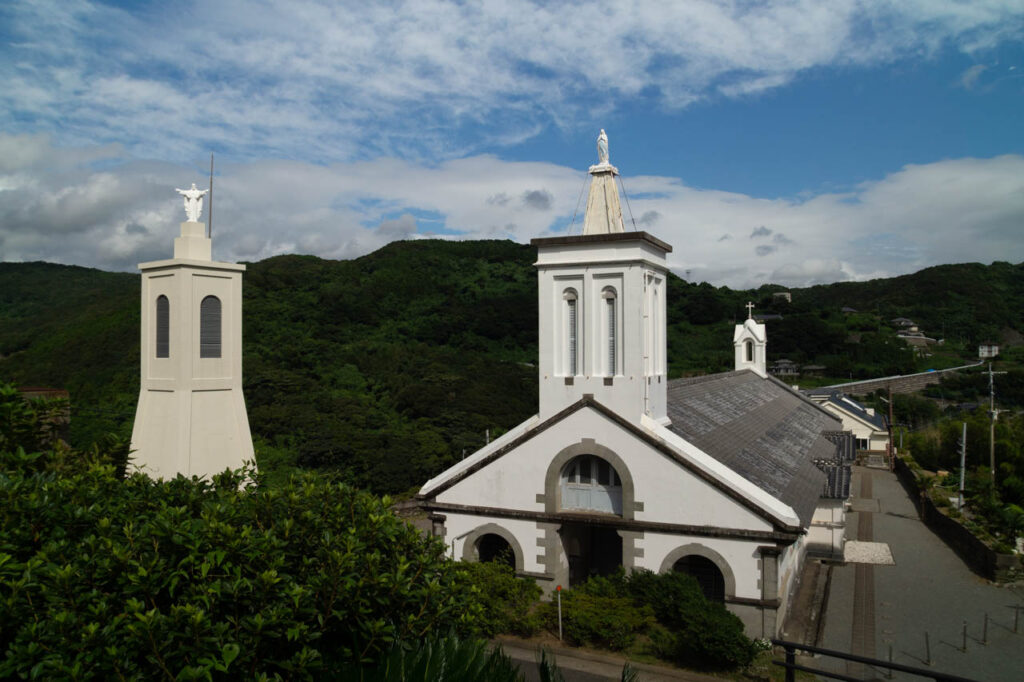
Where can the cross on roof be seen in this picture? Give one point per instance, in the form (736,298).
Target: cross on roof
(750,309)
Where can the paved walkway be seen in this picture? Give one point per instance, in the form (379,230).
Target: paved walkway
(918,606)
(578,665)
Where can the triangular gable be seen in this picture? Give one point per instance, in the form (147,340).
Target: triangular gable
(687,456)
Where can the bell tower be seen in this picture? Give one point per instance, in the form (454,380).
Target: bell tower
(191,417)
(750,340)
(602,309)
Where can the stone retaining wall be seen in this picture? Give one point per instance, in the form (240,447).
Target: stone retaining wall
(981,559)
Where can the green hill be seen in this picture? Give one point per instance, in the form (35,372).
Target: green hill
(385,368)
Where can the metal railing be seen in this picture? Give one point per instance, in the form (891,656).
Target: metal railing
(792,666)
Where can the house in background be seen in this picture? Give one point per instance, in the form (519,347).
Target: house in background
(869,429)
(988,349)
(719,476)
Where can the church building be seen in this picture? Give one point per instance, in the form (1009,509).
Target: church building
(719,476)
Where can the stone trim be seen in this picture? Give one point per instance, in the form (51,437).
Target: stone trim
(595,518)
(769,580)
(554,567)
(469,550)
(610,237)
(630,551)
(709,554)
(437,527)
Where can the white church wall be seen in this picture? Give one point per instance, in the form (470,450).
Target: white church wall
(790,564)
(668,493)
(638,382)
(461,528)
(828,530)
(740,555)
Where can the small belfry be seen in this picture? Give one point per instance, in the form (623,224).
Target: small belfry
(191,416)
(750,341)
(602,309)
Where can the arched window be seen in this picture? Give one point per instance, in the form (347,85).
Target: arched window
(571,332)
(708,575)
(748,348)
(611,331)
(209,327)
(493,547)
(590,483)
(163,327)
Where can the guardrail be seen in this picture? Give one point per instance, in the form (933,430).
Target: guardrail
(792,666)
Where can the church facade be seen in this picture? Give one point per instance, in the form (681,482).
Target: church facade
(718,476)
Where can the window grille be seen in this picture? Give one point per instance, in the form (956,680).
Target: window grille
(572,338)
(163,327)
(209,327)
(612,339)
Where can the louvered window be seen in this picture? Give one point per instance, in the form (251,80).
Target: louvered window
(570,303)
(163,327)
(612,329)
(209,327)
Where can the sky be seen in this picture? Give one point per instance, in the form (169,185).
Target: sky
(791,142)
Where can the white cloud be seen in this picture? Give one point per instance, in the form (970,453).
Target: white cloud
(67,209)
(427,79)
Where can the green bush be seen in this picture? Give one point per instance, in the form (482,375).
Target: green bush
(509,604)
(598,621)
(105,578)
(694,632)
(446,658)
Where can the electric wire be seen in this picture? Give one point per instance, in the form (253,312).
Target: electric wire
(628,207)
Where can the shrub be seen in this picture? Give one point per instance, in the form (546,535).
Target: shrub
(446,658)
(508,603)
(106,578)
(695,632)
(599,621)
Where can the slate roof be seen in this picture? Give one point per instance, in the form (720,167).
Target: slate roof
(850,406)
(759,428)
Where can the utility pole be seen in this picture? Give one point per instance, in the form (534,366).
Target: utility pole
(963,465)
(993,415)
(892,454)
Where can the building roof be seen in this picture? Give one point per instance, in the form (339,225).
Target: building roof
(848,405)
(759,428)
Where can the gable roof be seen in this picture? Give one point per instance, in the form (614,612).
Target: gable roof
(850,407)
(748,494)
(759,428)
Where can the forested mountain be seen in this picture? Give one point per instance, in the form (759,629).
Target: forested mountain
(385,368)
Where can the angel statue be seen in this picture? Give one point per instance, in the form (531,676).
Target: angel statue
(602,147)
(193,202)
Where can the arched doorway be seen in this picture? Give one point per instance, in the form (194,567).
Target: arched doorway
(708,575)
(493,547)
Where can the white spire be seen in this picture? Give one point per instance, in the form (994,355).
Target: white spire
(604,213)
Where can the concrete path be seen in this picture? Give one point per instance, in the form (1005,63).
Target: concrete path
(577,665)
(918,606)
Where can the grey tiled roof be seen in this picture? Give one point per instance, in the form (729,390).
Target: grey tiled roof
(849,405)
(759,428)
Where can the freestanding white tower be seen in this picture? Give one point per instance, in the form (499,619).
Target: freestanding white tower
(750,340)
(191,418)
(602,310)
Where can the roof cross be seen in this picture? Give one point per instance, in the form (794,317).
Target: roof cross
(750,310)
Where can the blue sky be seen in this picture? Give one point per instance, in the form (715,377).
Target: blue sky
(795,142)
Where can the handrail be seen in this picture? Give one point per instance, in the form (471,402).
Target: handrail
(791,665)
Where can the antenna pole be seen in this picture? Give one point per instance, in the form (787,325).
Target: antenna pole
(209,210)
